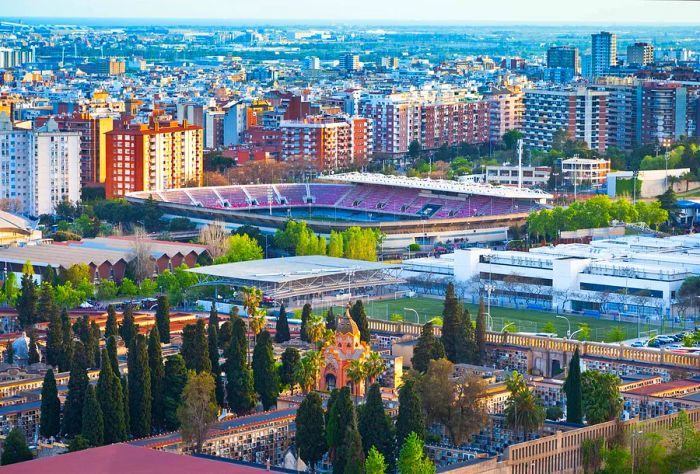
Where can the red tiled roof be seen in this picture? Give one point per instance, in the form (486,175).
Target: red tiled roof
(665,388)
(124,458)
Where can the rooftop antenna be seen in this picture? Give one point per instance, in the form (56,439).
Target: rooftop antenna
(520,163)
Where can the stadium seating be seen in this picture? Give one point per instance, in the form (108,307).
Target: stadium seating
(330,194)
(295,194)
(177,196)
(206,197)
(233,196)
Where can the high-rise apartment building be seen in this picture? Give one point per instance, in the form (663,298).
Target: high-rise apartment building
(327,143)
(581,113)
(10,57)
(603,53)
(350,62)
(667,111)
(38,168)
(235,122)
(564,57)
(214,129)
(624,111)
(640,54)
(397,120)
(153,157)
(506,112)
(451,124)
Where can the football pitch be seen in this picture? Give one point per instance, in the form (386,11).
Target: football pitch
(523,320)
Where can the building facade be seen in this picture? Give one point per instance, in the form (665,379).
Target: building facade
(640,54)
(564,57)
(603,53)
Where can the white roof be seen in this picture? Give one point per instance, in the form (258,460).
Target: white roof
(438,185)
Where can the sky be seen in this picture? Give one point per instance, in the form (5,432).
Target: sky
(422,11)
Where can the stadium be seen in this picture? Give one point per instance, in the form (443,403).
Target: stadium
(405,209)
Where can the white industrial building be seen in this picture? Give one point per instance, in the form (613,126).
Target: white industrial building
(628,275)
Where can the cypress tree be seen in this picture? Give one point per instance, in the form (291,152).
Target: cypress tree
(452,326)
(265,376)
(139,377)
(110,398)
(331,321)
(572,388)
(174,382)
(125,403)
(427,348)
(77,386)
(93,424)
(82,330)
(155,362)
(341,417)
(128,328)
(375,425)
(50,424)
(111,328)
(27,302)
(351,456)
(46,306)
(305,315)
(239,378)
(225,335)
(9,353)
(112,356)
(358,315)
(195,348)
(95,336)
(310,430)
(163,319)
(282,327)
(49,276)
(66,361)
(33,357)
(54,334)
(15,448)
(410,418)
(480,334)
(468,348)
(213,341)
(289,362)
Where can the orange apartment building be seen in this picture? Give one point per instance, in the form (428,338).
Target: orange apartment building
(154,157)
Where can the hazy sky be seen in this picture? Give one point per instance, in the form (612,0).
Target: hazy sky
(492,11)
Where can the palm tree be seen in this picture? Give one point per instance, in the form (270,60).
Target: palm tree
(316,330)
(252,297)
(374,367)
(356,373)
(524,410)
(307,371)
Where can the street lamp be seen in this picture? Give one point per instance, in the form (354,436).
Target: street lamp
(489,287)
(415,312)
(568,331)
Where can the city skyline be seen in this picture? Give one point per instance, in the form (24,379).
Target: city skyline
(391,11)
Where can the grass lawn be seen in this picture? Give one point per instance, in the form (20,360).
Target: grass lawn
(525,320)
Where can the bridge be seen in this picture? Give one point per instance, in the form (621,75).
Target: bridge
(546,355)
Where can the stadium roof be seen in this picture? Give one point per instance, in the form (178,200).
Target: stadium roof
(292,277)
(281,270)
(439,185)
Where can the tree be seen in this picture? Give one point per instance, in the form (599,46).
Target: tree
(125,402)
(412,458)
(195,348)
(427,348)
(239,378)
(282,327)
(78,443)
(27,301)
(15,448)
(356,373)
(68,349)
(375,425)
(155,364)
(33,357)
(198,410)
(216,238)
(94,343)
(511,137)
(335,246)
(163,319)
(109,396)
(351,455)
(241,248)
(410,418)
(341,419)
(458,405)
(111,345)
(452,326)
(289,362)
(225,335)
(615,334)
(77,386)
(9,353)
(305,316)
(601,400)
(252,297)
(111,327)
(139,377)
(306,373)
(375,462)
(572,388)
(331,321)
(213,341)
(50,424)
(46,306)
(524,410)
(265,377)
(128,329)
(93,424)
(360,317)
(374,366)
(311,431)
(128,288)
(174,382)
(107,290)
